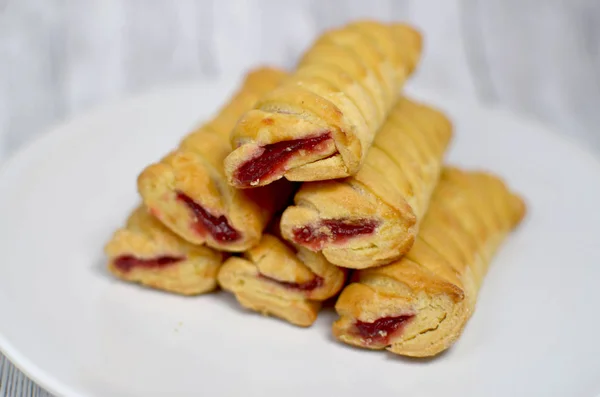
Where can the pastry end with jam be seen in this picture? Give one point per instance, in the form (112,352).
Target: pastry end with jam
(275,279)
(147,253)
(348,224)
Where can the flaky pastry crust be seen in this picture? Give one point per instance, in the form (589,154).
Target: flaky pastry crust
(372,218)
(274,279)
(320,123)
(146,252)
(419,305)
(187,190)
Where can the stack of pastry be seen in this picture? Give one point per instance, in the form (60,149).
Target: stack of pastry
(326,181)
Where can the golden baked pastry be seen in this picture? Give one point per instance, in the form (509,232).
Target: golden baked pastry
(320,123)
(419,305)
(274,279)
(371,219)
(187,190)
(146,252)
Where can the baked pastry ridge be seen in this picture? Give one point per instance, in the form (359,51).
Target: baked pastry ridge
(419,305)
(372,218)
(274,279)
(320,123)
(187,190)
(144,251)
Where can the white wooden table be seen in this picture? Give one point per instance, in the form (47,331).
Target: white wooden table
(61,57)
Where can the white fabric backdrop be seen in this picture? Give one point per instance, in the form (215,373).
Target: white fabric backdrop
(59,57)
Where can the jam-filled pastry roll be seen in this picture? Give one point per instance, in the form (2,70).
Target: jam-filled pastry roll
(372,218)
(274,279)
(419,305)
(320,123)
(146,252)
(187,190)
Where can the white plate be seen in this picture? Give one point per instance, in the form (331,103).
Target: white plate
(77,331)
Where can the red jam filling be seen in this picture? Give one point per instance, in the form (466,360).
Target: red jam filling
(316,282)
(218,227)
(340,230)
(127,262)
(273,158)
(380,331)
